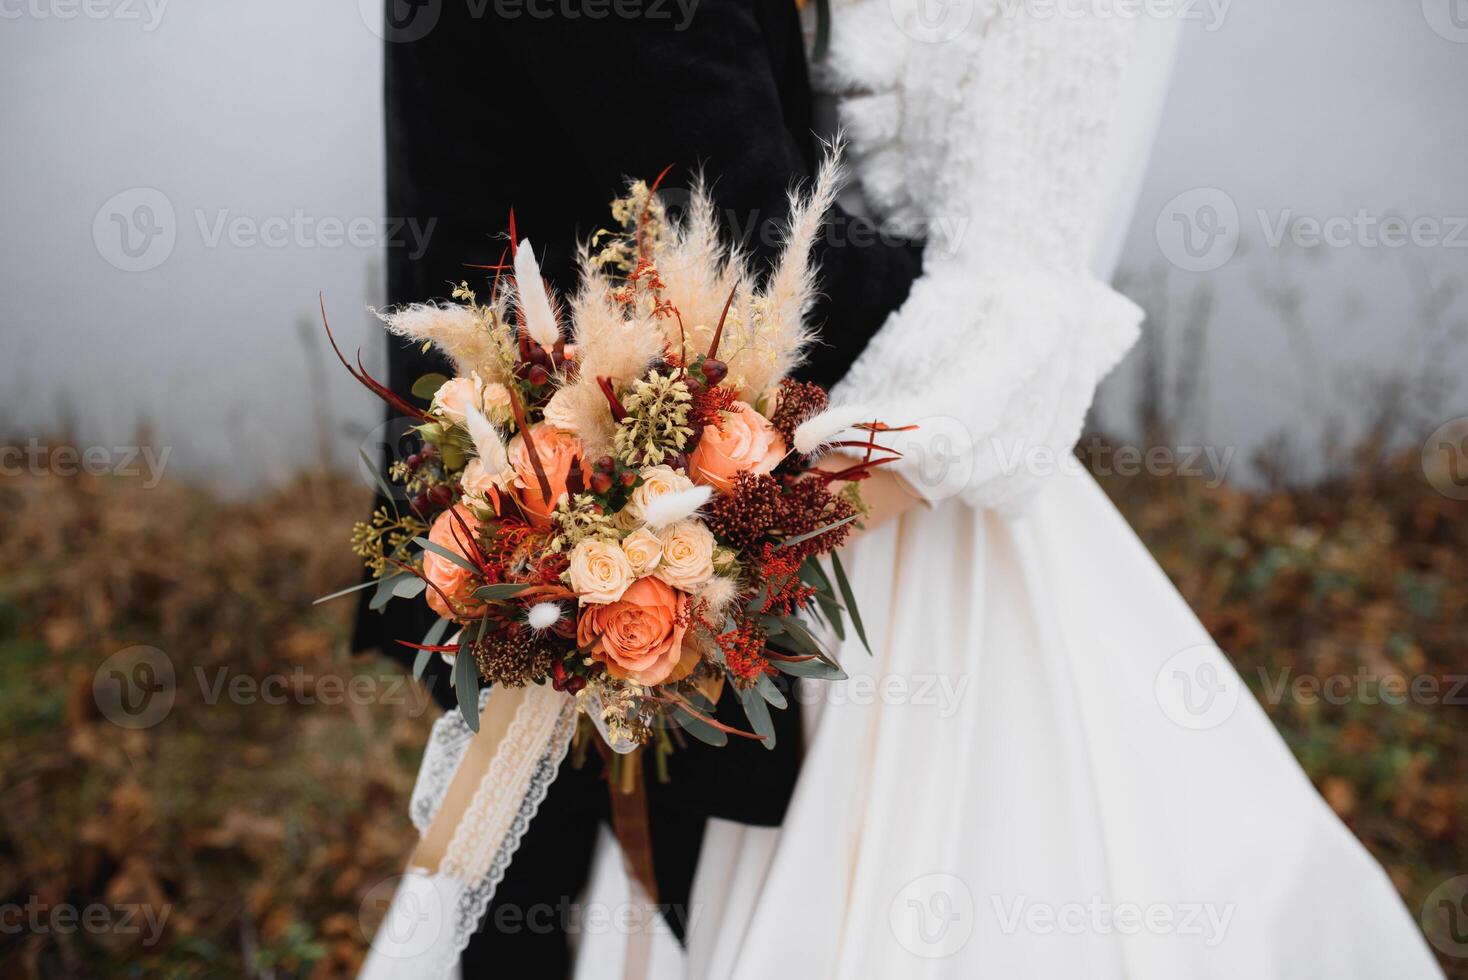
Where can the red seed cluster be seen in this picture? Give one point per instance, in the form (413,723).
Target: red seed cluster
(744,652)
(799,400)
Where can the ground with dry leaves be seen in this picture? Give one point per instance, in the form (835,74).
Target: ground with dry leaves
(269,802)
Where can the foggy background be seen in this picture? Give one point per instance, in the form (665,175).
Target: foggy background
(181,180)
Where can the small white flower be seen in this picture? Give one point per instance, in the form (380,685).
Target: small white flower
(544,615)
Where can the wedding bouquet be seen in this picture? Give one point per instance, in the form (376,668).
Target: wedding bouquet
(618,496)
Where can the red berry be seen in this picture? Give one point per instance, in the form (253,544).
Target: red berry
(419,503)
(600,482)
(574,684)
(694,385)
(537,375)
(414,461)
(715,370)
(677,460)
(606,464)
(628,477)
(440,496)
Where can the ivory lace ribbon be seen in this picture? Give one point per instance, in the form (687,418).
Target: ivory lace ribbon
(476,795)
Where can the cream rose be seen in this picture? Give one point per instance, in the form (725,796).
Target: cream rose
(453,398)
(600,571)
(558,412)
(688,554)
(497,403)
(643,549)
(481,487)
(657,481)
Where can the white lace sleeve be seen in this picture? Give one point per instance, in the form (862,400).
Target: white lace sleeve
(977,136)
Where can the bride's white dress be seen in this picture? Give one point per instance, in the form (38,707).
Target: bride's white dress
(1046,769)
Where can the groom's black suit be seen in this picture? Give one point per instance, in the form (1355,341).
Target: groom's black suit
(546,106)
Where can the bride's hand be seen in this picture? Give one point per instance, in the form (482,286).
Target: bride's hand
(886,494)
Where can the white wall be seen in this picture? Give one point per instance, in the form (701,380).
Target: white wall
(271,110)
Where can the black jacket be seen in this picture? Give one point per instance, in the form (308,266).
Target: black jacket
(547,106)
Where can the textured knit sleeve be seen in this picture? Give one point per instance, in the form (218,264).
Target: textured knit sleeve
(998,349)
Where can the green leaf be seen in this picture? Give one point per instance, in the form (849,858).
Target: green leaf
(494,593)
(466,684)
(410,588)
(700,730)
(811,573)
(420,663)
(436,632)
(347,591)
(770,692)
(850,599)
(443,552)
(758,713)
(427,386)
(816,533)
(385,588)
(810,668)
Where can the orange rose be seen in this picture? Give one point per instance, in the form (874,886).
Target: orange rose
(748,443)
(640,636)
(455,582)
(558,452)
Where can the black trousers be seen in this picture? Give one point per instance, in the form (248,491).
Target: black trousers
(535,915)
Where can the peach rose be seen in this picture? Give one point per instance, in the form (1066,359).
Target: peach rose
(639,637)
(600,571)
(558,451)
(643,549)
(481,487)
(747,444)
(688,554)
(452,580)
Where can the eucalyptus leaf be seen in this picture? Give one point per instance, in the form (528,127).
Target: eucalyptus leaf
(700,730)
(495,593)
(443,552)
(347,591)
(811,573)
(818,669)
(382,486)
(816,533)
(436,632)
(758,713)
(420,663)
(466,685)
(427,386)
(850,599)
(385,589)
(410,587)
(770,692)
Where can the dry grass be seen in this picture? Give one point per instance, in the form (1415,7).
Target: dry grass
(262,822)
